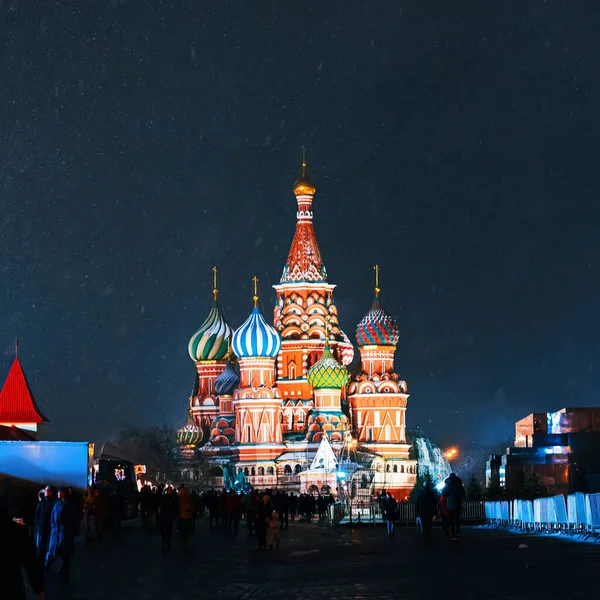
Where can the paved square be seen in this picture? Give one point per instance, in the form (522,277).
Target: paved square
(321,561)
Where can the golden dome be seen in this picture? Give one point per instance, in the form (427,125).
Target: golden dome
(304,187)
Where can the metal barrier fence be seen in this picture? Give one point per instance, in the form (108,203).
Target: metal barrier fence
(575,513)
(406,514)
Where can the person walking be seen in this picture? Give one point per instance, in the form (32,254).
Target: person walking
(187,508)
(17,552)
(454,491)
(41,523)
(274,531)
(389,514)
(63,528)
(443,510)
(167,512)
(263,514)
(89,516)
(427,510)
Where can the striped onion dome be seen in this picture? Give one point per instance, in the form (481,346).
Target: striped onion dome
(255,339)
(189,434)
(377,328)
(210,341)
(327,373)
(227,382)
(345,349)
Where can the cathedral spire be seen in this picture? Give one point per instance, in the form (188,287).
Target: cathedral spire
(304,263)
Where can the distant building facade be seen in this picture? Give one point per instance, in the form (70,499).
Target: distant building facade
(562,447)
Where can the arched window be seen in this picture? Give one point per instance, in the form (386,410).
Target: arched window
(364,482)
(297,469)
(300,418)
(287,470)
(401,468)
(387,468)
(261,470)
(291,370)
(395,468)
(240,470)
(270,470)
(252,471)
(246,472)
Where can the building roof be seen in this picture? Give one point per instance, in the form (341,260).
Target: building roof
(17,404)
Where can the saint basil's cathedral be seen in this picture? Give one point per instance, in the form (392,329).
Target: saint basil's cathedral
(289,406)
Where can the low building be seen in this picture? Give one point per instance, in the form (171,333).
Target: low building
(562,448)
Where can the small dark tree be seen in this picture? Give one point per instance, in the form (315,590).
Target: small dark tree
(420,484)
(155,447)
(533,487)
(494,490)
(474,491)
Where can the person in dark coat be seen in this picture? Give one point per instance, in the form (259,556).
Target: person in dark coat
(454,491)
(264,510)
(17,551)
(63,528)
(427,509)
(41,522)
(389,514)
(168,509)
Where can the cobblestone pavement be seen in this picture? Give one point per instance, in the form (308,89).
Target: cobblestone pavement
(321,561)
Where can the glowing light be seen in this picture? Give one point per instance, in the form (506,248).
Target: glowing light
(451,453)
(341,475)
(440,486)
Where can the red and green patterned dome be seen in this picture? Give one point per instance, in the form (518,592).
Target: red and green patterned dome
(327,373)
(377,328)
(190,434)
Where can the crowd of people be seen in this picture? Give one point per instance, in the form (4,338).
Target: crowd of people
(264,513)
(61,515)
(447,506)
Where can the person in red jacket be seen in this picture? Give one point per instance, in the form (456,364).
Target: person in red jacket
(444,515)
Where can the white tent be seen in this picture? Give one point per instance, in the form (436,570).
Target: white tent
(324,459)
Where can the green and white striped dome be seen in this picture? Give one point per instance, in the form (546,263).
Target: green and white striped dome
(210,342)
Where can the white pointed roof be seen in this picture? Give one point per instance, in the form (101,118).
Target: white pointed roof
(324,459)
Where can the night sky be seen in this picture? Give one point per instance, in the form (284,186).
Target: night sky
(455,143)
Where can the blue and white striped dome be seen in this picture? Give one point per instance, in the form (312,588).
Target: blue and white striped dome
(227,382)
(256,339)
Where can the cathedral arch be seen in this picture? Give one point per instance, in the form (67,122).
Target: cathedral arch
(270,470)
(297,470)
(261,471)
(287,470)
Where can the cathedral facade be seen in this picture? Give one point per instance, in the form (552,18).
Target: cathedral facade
(269,396)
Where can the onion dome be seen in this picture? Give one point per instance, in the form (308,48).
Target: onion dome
(255,338)
(345,349)
(377,328)
(327,373)
(227,382)
(211,341)
(189,434)
(304,186)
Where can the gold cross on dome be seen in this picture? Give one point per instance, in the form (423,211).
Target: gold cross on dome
(377,288)
(255,297)
(215,290)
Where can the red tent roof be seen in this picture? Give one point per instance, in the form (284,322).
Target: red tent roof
(17,404)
